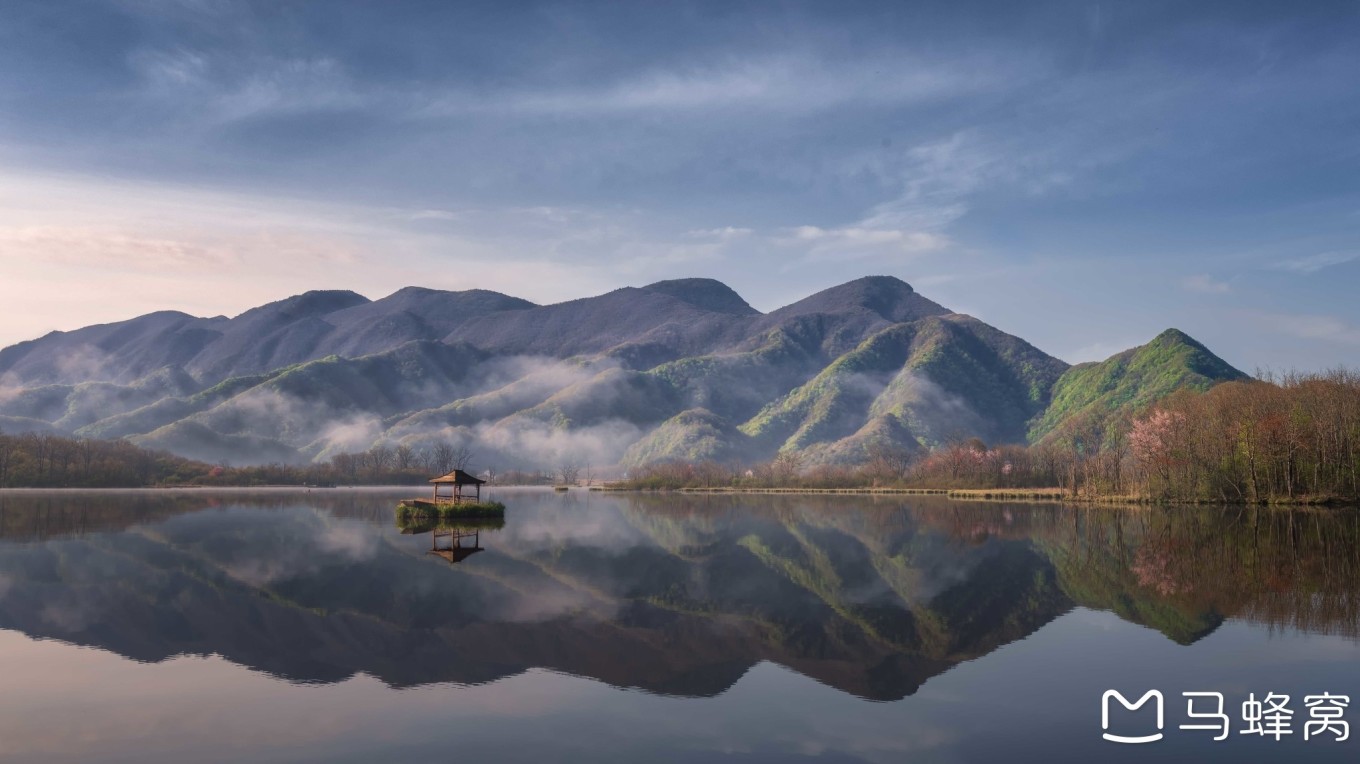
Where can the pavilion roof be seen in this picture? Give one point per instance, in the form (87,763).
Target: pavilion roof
(458,477)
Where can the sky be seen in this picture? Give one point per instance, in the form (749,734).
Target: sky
(1080,174)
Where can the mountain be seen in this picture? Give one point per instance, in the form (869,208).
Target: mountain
(1128,383)
(680,369)
(302,328)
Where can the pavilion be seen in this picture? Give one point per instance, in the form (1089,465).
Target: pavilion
(458,481)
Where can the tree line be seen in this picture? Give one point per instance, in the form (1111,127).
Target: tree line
(45,460)
(1287,439)
(1292,438)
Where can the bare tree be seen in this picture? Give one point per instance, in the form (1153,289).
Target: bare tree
(590,474)
(887,461)
(86,451)
(787,465)
(6,458)
(405,457)
(568,473)
(462,457)
(442,457)
(380,459)
(347,465)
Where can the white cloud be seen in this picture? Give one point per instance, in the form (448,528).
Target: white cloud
(432,215)
(113,250)
(1310,327)
(936,179)
(1314,263)
(856,241)
(726,233)
(177,67)
(786,83)
(1205,284)
(1100,350)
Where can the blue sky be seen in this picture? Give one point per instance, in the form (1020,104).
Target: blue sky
(1083,175)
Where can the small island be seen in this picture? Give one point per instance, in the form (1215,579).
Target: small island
(456,504)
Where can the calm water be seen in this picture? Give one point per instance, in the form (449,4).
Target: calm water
(308,627)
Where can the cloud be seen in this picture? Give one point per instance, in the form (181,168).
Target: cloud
(752,83)
(936,179)
(153,245)
(1310,327)
(210,89)
(856,241)
(432,215)
(1100,350)
(1314,263)
(132,250)
(348,434)
(1205,284)
(169,68)
(726,233)
(350,540)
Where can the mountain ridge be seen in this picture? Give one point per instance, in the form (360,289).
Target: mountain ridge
(670,370)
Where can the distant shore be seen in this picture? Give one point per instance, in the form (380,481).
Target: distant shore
(985,494)
(1043,495)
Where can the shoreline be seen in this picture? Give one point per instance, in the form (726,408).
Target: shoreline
(1037,495)
(1034,495)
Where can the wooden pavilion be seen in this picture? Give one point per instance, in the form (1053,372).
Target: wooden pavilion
(457,481)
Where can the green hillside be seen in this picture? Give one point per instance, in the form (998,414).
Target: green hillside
(1131,381)
(695,435)
(941,377)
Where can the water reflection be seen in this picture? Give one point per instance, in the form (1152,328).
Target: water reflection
(458,542)
(672,594)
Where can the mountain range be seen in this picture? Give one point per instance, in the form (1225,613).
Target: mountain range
(681,369)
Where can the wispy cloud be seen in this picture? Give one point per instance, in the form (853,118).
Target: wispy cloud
(856,241)
(1205,284)
(1100,350)
(935,180)
(726,233)
(1309,327)
(1314,263)
(752,83)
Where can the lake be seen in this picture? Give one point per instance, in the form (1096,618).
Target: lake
(297,626)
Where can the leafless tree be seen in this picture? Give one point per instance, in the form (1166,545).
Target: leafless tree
(380,459)
(405,457)
(786,466)
(462,457)
(569,473)
(6,458)
(347,465)
(442,457)
(888,462)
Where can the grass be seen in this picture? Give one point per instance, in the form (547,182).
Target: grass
(627,488)
(414,509)
(413,524)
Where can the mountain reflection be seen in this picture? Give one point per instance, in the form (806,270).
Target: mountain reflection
(672,594)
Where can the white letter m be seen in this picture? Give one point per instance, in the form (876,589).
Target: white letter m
(1123,701)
